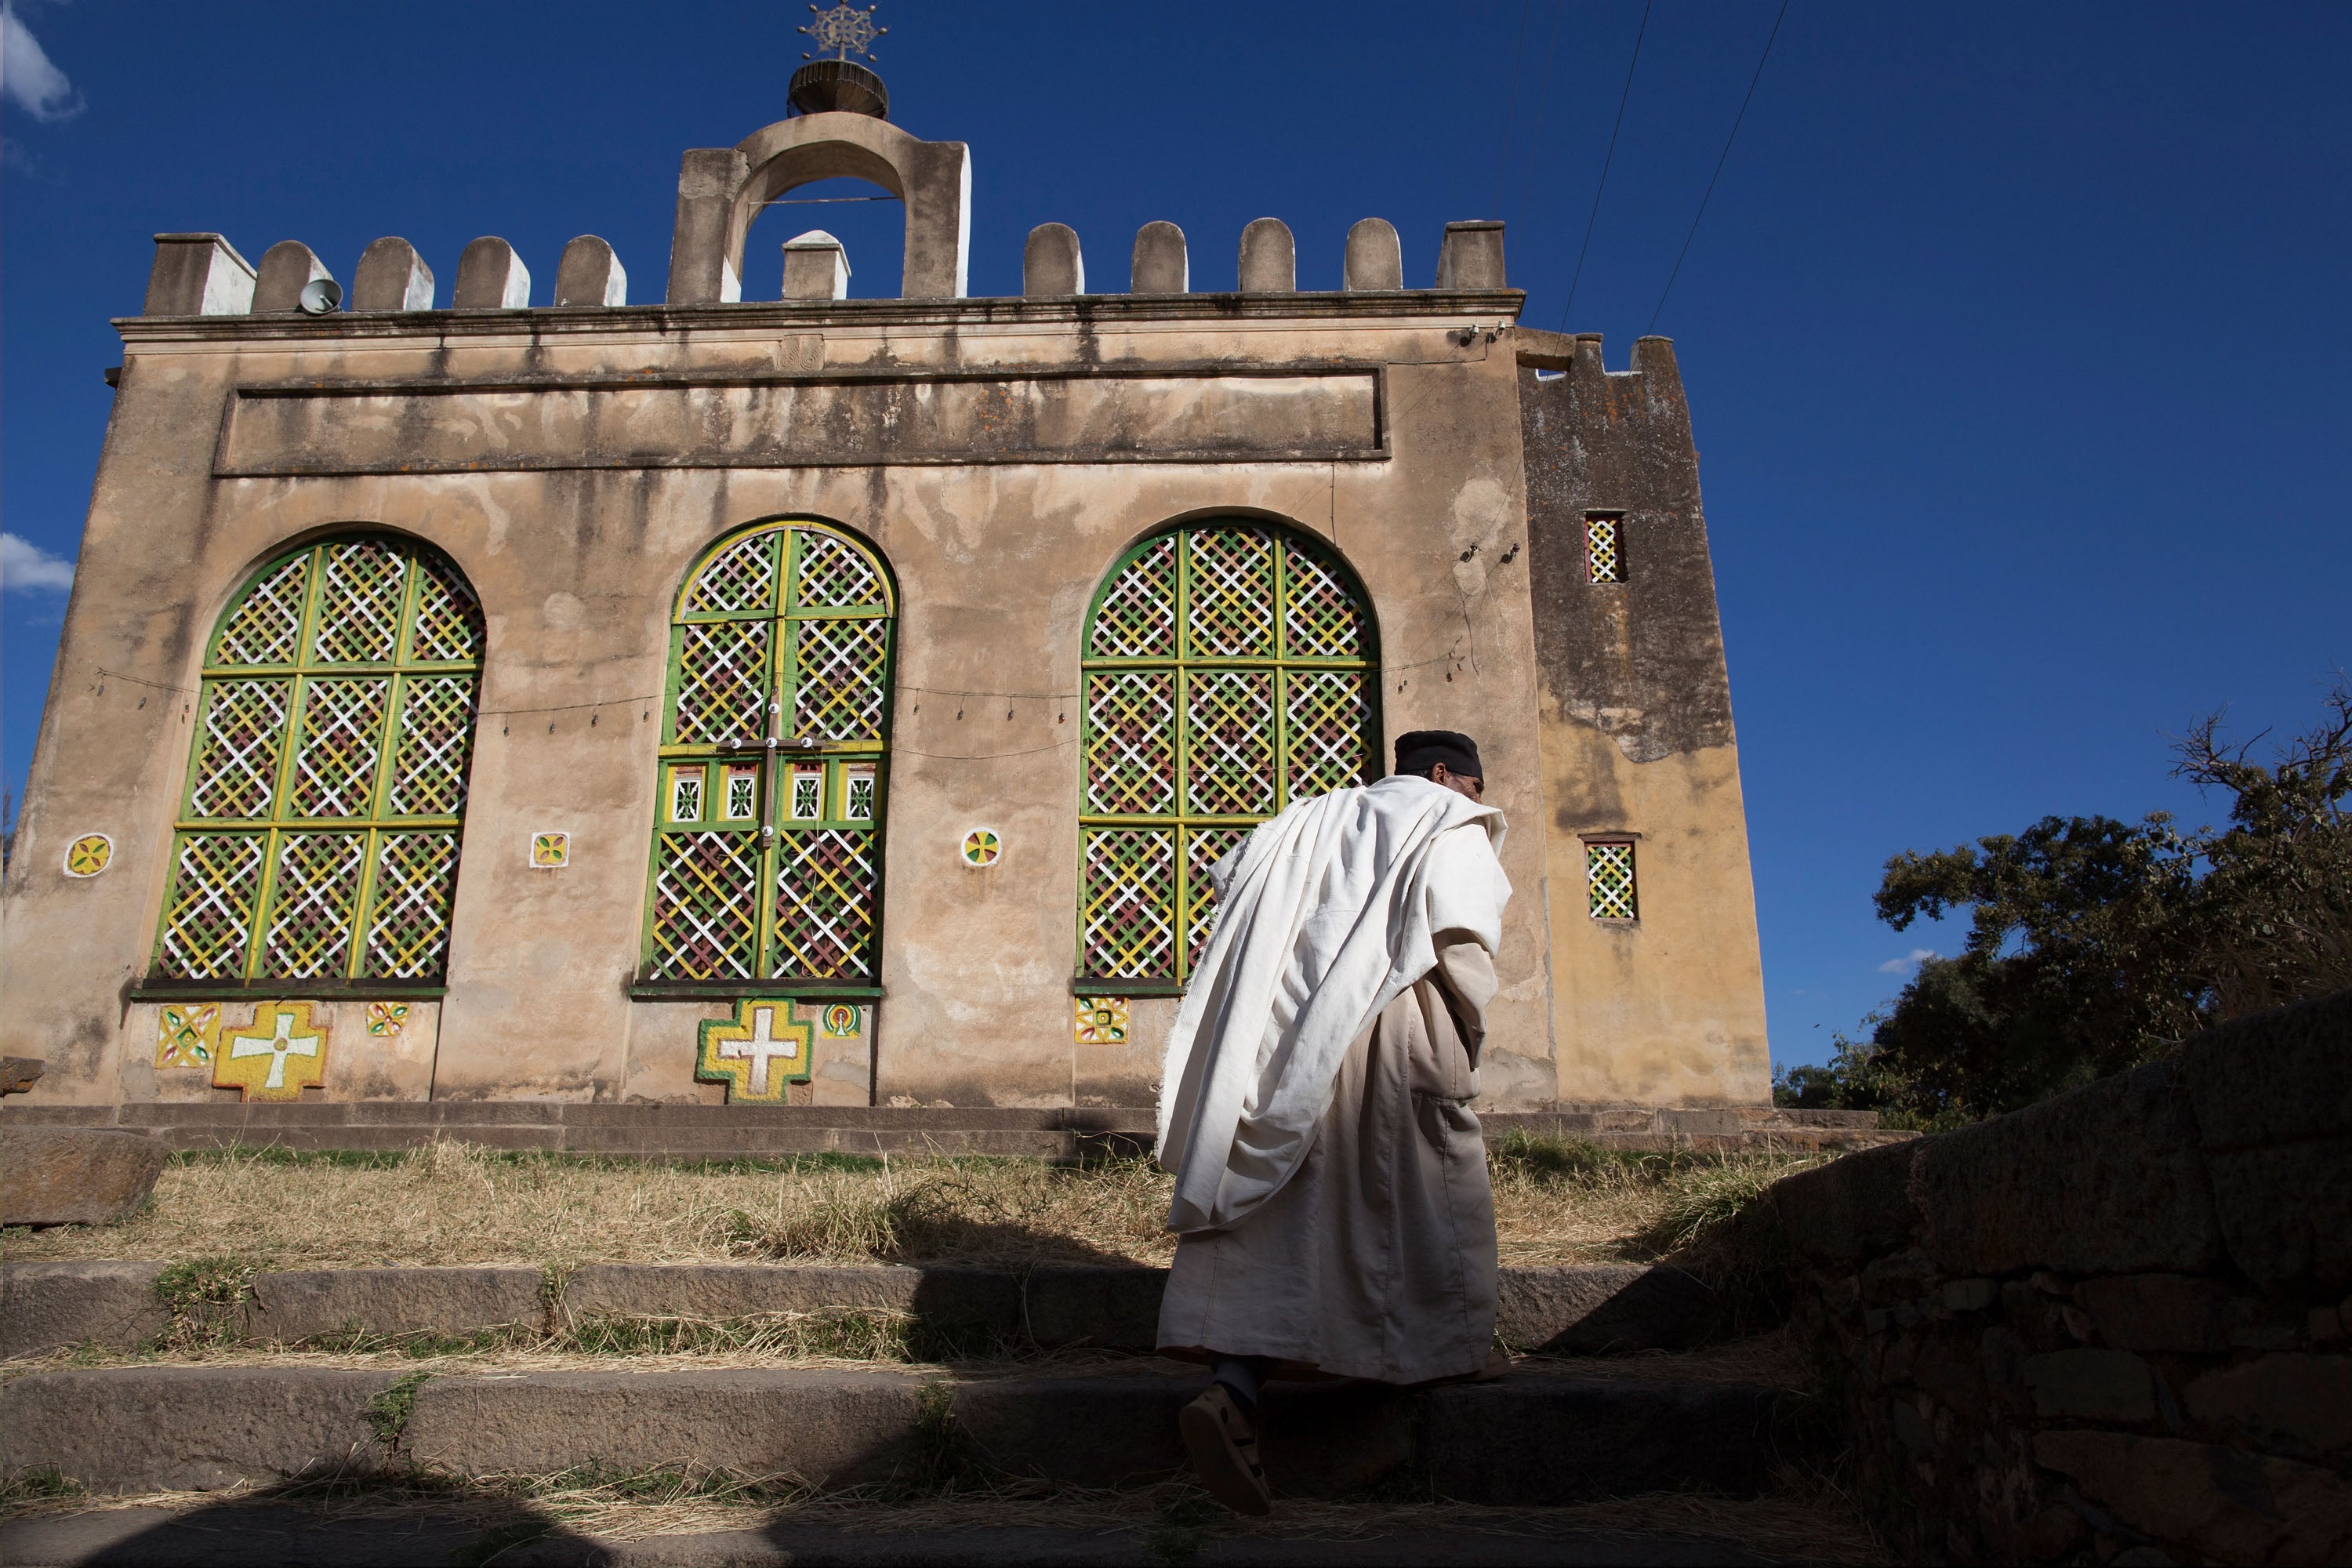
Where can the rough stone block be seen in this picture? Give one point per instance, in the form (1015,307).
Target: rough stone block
(2107,1179)
(1052,265)
(1471,256)
(828,1428)
(298,1305)
(198,275)
(733,1290)
(286,269)
(391,276)
(2286,1213)
(1603,1307)
(2275,1078)
(59,1175)
(2224,1505)
(1532,1441)
(1160,265)
(2091,1385)
(2157,1311)
(142,1429)
(49,1307)
(1090,1431)
(1270,257)
(490,276)
(590,274)
(1374,259)
(2299,1405)
(1852,1208)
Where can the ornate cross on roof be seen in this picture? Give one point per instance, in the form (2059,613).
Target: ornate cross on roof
(844,28)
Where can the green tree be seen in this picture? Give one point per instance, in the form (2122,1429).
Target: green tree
(2094,943)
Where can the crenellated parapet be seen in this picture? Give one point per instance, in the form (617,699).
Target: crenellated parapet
(722,191)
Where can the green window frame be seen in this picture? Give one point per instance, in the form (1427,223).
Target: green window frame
(321,822)
(1230,667)
(766,862)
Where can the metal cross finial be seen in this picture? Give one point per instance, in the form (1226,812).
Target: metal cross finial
(844,28)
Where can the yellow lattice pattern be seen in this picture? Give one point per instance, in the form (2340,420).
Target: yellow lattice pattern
(1601,554)
(1608,877)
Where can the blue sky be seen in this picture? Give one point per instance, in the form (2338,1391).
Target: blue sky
(2015,337)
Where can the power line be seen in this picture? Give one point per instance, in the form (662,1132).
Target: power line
(1511,104)
(1728,141)
(1605,161)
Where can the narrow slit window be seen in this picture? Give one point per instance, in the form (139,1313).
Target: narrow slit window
(858,791)
(1608,877)
(685,794)
(743,793)
(1605,557)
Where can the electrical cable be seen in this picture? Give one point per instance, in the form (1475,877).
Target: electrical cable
(1609,158)
(1728,141)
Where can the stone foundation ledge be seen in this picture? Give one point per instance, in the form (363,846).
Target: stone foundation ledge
(116,1305)
(1531,1440)
(2116,1322)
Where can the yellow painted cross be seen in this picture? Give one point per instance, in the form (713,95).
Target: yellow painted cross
(276,1059)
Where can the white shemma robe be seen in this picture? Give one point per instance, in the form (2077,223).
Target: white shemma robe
(1332,1194)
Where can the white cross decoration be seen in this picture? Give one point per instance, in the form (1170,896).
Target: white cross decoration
(278,1046)
(760,1049)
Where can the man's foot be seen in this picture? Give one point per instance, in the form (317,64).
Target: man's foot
(1223,1445)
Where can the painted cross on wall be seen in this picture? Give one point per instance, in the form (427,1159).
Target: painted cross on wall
(277,1057)
(759,1054)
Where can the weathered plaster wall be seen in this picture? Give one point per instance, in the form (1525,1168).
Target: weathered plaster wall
(1636,737)
(577,563)
(2112,1327)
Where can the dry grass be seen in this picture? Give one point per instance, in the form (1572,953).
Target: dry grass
(456,1204)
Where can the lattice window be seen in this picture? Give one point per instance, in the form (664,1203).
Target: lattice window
(1604,555)
(1609,881)
(1230,668)
(326,795)
(779,705)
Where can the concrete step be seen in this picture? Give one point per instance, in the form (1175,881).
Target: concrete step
(115,1305)
(262,1534)
(765,1131)
(1534,1438)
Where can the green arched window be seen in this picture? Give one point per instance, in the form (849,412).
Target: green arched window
(1230,668)
(319,835)
(767,853)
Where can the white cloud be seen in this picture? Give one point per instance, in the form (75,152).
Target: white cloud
(1911,960)
(28,78)
(26,568)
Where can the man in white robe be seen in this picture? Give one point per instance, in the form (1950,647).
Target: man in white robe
(1332,1202)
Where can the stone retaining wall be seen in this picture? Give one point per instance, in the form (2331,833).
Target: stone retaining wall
(2112,1327)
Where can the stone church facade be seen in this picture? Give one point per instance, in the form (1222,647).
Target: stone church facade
(817,701)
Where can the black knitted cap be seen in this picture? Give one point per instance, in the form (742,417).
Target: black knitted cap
(1424,749)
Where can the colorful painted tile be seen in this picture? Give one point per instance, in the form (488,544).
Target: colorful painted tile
(387,1019)
(88,855)
(981,846)
(844,1022)
(551,851)
(187,1034)
(759,1054)
(281,1054)
(1101,1020)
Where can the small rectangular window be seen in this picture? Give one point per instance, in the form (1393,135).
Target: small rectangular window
(1608,878)
(1604,558)
(858,788)
(685,794)
(743,793)
(808,795)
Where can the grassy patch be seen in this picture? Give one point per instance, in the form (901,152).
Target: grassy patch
(205,1297)
(388,1413)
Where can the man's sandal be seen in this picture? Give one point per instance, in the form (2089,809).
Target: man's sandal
(1223,1445)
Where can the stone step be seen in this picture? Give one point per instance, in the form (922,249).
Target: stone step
(1533,1438)
(114,1305)
(760,1131)
(261,1533)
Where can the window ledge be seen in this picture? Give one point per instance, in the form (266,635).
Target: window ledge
(288,990)
(1089,987)
(732,990)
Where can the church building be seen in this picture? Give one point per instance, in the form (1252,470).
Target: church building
(483,687)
